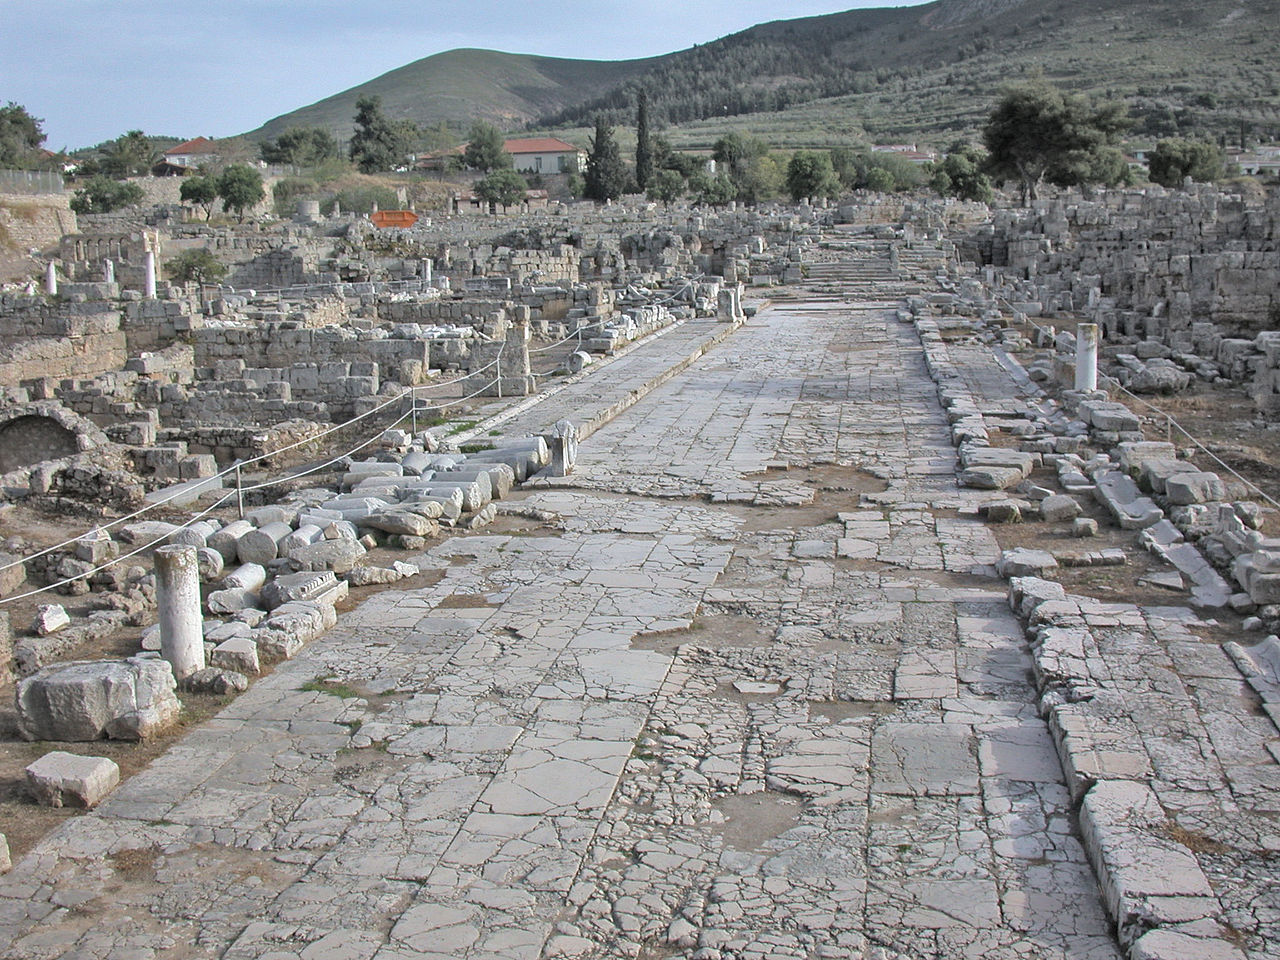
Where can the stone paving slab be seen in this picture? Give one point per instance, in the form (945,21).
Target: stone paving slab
(675,720)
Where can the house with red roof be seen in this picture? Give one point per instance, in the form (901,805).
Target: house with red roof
(192,153)
(545,155)
(531,155)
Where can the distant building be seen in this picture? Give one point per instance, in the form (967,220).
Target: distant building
(1263,161)
(907,151)
(534,155)
(545,155)
(192,153)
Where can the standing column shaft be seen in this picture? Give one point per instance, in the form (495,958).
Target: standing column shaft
(1087,357)
(51,279)
(151,275)
(178,598)
(109,271)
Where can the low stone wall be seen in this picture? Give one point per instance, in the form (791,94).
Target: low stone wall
(35,222)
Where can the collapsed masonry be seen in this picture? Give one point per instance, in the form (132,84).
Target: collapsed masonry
(134,394)
(1189,279)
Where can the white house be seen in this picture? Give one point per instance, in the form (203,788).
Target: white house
(545,155)
(192,153)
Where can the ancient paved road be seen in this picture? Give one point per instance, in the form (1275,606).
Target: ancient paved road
(743,688)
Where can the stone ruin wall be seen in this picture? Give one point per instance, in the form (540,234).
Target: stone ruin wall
(1198,272)
(34,222)
(42,339)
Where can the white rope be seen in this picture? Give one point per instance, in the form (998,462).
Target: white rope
(1173,423)
(412,392)
(316,468)
(115,560)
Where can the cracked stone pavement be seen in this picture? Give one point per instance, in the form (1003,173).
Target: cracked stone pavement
(751,690)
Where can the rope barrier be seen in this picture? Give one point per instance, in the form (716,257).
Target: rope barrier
(116,560)
(1172,423)
(239,465)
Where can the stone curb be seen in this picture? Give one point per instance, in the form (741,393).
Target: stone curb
(610,412)
(1153,888)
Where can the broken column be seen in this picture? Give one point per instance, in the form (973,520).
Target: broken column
(51,279)
(178,599)
(1086,357)
(150,291)
(109,270)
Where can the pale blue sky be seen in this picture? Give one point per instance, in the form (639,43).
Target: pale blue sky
(93,69)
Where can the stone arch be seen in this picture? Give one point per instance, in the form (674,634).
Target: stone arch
(31,438)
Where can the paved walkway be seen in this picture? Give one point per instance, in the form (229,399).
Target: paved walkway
(744,687)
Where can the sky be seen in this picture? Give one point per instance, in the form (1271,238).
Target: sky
(93,69)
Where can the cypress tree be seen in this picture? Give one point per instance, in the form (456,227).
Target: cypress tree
(606,175)
(644,147)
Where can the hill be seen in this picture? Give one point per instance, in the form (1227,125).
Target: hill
(925,73)
(460,86)
(933,71)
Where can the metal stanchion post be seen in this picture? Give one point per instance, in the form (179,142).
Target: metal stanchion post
(239,492)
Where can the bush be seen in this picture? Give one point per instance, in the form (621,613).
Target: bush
(287,192)
(199,265)
(104,195)
(361,200)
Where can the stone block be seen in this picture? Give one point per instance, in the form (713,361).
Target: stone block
(1059,507)
(13,573)
(402,522)
(1122,498)
(338,555)
(1024,562)
(297,586)
(6,649)
(50,618)
(216,680)
(1147,878)
(86,700)
(61,779)
(1201,486)
(237,653)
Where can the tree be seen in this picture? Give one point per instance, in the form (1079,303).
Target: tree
(606,175)
(129,155)
(200,190)
(1174,160)
(644,146)
(503,187)
(1035,133)
(300,146)
(960,174)
(486,150)
(760,181)
(734,152)
(199,266)
(713,191)
(20,137)
(810,175)
(240,187)
(378,143)
(103,195)
(880,180)
(666,186)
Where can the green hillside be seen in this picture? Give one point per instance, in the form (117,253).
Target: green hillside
(925,73)
(459,86)
(928,72)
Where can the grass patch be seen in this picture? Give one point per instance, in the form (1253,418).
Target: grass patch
(475,447)
(461,427)
(330,686)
